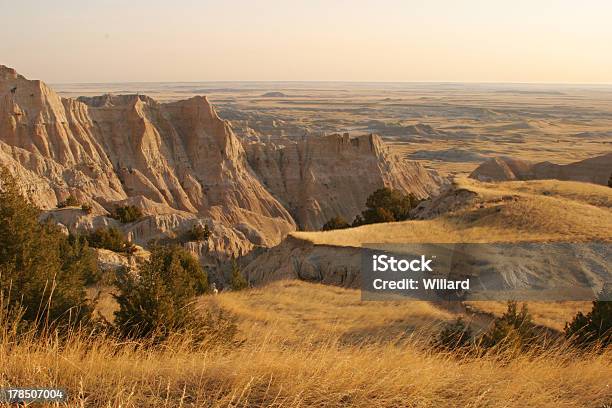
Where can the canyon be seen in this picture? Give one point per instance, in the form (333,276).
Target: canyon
(182,165)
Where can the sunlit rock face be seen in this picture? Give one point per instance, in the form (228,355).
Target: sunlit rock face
(176,158)
(181,165)
(319,178)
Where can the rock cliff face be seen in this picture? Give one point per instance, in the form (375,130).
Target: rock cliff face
(319,178)
(110,149)
(595,170)
(181,164)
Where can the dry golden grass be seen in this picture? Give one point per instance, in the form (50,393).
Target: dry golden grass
(295,354)
(304,345)
(545,210)
(290,311)
(553,315)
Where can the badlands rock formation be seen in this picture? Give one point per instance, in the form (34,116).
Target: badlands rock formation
(593,170)
(182,165)
(179,158)
(322,177)
(514,217)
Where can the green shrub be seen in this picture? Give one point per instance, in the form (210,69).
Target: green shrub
(126,214)
(455,335)
(159,299)
(514,329)
(198,233)
(70,201)
(594,328)
(79,258)
(335,223)
(110,238)
(386,205)
(42,272)
(86,208)
(237,281)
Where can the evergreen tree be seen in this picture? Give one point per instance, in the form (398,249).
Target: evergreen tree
(386,205)
(41,271)
(514,328)
(596,326)
(127,214)
(335,223)
(158,300)
(237,281)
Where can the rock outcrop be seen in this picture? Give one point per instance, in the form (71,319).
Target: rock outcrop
(322,177)
(181,165)
(112,149)
(595,170)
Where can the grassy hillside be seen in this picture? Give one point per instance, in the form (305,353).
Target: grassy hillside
(543,210)
(308,345)
(303,344)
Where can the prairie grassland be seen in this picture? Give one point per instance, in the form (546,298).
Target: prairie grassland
(553,315)
(543,210)
(295,353)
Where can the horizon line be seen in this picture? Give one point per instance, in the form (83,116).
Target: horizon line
(342,81)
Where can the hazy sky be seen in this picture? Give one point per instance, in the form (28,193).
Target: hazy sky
(360,40)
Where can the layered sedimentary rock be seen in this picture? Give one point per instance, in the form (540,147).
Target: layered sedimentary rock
(109,149)
(593,170)
(181,165)
(322,177)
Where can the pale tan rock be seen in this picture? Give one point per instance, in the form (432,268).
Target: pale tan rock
(178,159)
(181,164)
(319,178)
(595,170)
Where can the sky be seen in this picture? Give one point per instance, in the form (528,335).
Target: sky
(70,41)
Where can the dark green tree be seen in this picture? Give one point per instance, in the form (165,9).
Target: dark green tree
(126,214)
(237,280)
(455,335)
(70,201)
(86,208)
(41,270)
(79,258)
(110,238)
(386,205)
(198,233)
(158,299)
(335,223)
(596,326)
(515,328)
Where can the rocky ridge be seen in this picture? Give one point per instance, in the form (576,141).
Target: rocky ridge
(181,164)
(595,170)
(318,178)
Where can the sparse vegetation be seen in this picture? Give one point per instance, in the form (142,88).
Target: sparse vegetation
(594,328)
(110,238)
(514,329)
(159,300)
(237,280)
(198,233)
(455,335)
(42,271)
(70,201)
(307,345)
(383,205)
(386,205)
(126,213)
(86,208)
(581,213)
(335,223)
